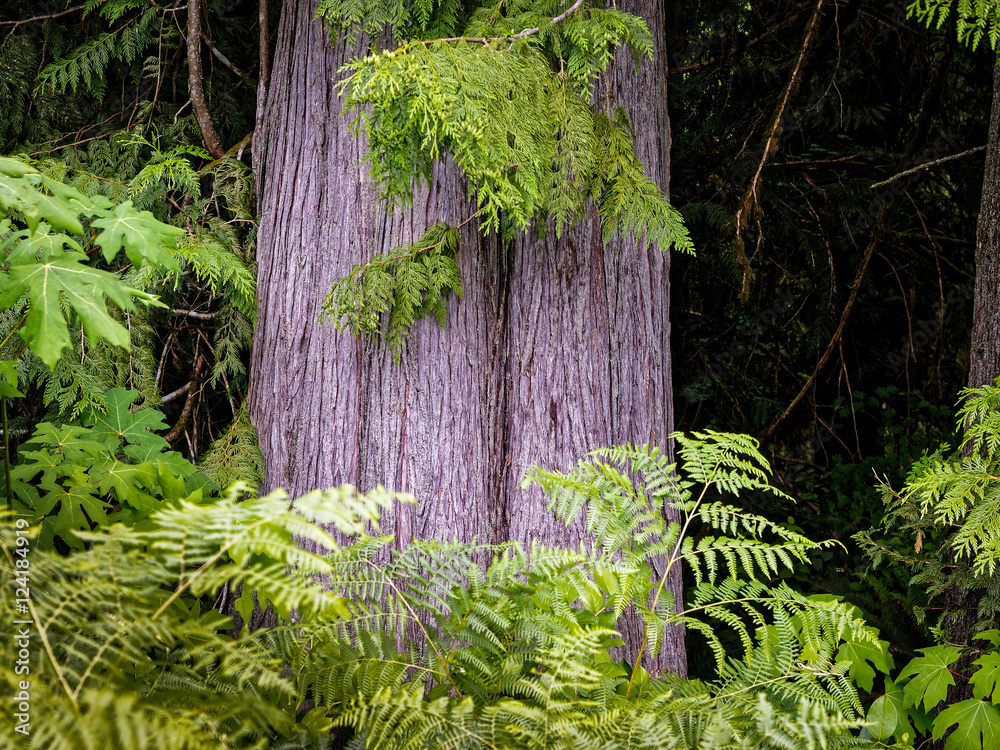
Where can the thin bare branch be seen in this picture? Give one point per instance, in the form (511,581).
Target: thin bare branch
(263,84)
(195,86)
(928,165)
(66,12)
(195,314)
(192,389)
(748,205)
(225,61)
(855,286)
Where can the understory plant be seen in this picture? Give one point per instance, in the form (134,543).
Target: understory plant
(440,650)
(442,644)
(944,528)
(124,649)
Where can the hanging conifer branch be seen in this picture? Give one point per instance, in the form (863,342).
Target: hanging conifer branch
(509,102)
(520,35)
(409,282)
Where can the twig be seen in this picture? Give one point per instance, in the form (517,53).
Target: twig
(188,405)
(225,380)
(263,84)
(748,203)
(855,286)
(736,50)
(195,314)
(201,113)
(225,61)
(74,9)
(176,394)
(928,165)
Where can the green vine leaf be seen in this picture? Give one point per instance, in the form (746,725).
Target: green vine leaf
(865,657)
(141,236)
(984,681)
(9,379)
(883,717)
(930,676)
(978,725)
(65,277)
(69,477)
(119,423)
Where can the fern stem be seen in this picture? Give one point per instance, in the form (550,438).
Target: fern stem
(43,634)
(663,581)
(6,454)
(207,565)
(427,637)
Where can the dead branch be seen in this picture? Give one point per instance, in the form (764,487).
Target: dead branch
(195,86)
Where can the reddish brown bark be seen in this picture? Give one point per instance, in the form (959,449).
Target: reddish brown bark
(984,368)
(984,364)
(195,86)
(557,347)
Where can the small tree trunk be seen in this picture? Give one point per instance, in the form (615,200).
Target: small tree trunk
(195,85)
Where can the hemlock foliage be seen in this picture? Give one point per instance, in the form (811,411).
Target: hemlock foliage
(124,59)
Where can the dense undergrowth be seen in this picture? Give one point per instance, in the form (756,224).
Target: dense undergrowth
(123,553)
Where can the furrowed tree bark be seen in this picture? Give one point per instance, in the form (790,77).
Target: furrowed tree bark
(984,360)
(984,368)
(558,346)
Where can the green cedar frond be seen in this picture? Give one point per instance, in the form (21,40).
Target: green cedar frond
(405,19)
(410,282)
(89,61)
(509,101)
(19,59)
(234,456)
(975,19)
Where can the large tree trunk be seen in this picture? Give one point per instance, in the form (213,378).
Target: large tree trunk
(984,360)
(557,347)
(984,368)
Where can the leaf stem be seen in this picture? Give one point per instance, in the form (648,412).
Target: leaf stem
(659,589)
